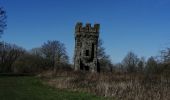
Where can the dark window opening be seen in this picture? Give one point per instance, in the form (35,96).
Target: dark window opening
(86,68)
(81,65)
(87,52)
(92,53)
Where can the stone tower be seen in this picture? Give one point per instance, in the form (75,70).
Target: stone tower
(86,41)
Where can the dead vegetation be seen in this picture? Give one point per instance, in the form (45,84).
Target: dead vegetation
(118,85)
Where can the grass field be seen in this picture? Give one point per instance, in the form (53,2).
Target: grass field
(31,88)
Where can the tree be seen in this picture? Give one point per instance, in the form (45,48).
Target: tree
(165,61)
(165,55)
(130,62)
(36,52)
(55,53)
(101,50)
(3,18)
(151,66)
(141,64)
(9,53)
(104,59)
(28,63)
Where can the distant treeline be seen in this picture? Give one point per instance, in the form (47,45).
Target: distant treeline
(52,55)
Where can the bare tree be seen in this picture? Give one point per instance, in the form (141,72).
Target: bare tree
(101,50)
(55,53)
(141,64)
(165,55)
(3,18)
(8,55)
(165,62)
(36,51)
(151,66)
(104,59)
(130,62)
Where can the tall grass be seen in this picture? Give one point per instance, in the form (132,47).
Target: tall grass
(122,86)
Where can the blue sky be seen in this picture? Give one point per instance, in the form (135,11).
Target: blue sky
(141,26)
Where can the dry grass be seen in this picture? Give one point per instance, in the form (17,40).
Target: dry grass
(120,86)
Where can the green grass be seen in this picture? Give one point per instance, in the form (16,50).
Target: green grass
(31,88)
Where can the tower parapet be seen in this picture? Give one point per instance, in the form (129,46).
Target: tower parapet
(87,28)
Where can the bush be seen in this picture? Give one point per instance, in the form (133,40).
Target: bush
(28,64)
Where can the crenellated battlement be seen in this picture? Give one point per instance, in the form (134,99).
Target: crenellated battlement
(87,28)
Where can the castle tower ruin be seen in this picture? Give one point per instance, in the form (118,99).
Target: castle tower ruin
(86,41)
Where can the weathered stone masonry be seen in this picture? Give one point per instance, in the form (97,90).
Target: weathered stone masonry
(86,41)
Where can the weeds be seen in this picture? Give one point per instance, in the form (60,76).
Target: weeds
(121,86)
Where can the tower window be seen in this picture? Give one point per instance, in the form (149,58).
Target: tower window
(87,52)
